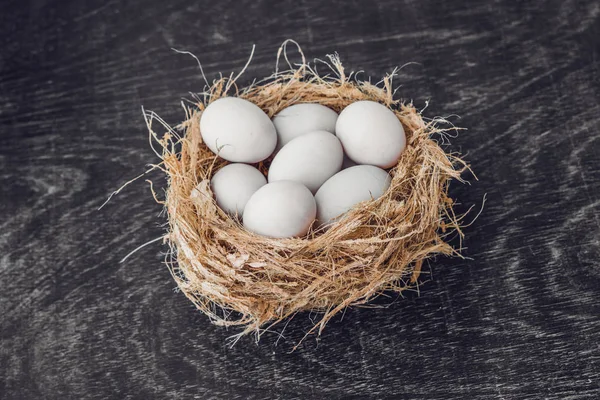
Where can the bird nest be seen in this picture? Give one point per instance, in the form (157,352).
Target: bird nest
(240,278)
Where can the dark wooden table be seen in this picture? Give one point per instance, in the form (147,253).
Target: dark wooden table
(519,319)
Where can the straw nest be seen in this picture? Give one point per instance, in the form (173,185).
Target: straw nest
(240,278)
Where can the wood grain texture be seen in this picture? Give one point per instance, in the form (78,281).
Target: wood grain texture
(519,319)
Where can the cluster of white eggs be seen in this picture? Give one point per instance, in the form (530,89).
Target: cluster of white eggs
(324,164)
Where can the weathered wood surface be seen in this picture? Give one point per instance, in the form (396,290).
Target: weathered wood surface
(520,319)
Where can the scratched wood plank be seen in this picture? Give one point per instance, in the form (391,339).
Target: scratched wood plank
(518,319)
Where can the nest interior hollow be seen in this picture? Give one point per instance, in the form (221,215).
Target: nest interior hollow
(240,278)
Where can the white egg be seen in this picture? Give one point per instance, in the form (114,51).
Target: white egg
(234,184)
(238,130)
(310,159)
(280,209)
(371,134)
(348,188)
(299,119)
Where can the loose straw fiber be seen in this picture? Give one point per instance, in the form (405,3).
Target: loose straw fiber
(240,278)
